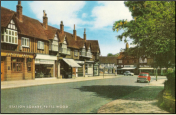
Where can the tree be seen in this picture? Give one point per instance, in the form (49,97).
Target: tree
(153,30)
(113,55)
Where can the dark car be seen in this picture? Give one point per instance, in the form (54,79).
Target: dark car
(144,77)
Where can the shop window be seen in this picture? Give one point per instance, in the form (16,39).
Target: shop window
(29,64)
(16,64)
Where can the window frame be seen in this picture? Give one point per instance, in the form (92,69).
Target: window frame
(39,45)
(24,39)
(17,62)
(119,61)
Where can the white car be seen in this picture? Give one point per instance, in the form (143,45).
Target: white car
(128,73)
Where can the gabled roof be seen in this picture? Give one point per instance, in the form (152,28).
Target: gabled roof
(94,45)
(29,27)
(108,60)
(6,16)
(33,28)
(50,32)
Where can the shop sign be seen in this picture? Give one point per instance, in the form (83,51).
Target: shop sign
(38,61)
(129,65)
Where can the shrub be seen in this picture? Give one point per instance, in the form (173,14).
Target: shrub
(170,83)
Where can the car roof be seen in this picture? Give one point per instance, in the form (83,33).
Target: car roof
(144,72)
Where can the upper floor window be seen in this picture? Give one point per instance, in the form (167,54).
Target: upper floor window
(76,53)
(83,53)
(40,45)
(143,60)
(11,25)
(25,42)
(89,54)
(120,61)
(53,44)
(9,36)
(63,47)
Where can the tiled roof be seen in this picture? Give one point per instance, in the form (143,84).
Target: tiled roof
(108,60)
(121,56)
(29,27)
(50,32)
(33,28)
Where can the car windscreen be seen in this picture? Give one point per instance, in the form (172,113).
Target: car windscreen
(143,74)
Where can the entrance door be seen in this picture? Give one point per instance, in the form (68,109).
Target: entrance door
(2,71)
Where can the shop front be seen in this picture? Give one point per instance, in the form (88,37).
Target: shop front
(69,68)
(130,68)
(89,68)
(80,69)
(16,66)
(45,66)
(96,69)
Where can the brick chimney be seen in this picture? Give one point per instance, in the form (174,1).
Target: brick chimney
(85,34)
(45,20)
(19,11)
(127,45)
(74,33)
(62,27)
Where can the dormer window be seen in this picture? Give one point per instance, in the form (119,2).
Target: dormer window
(89,53)
(83,53)
(9,35)
(53,44)
(63,47)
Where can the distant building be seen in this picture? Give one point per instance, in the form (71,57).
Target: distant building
(133,64)
(108,64)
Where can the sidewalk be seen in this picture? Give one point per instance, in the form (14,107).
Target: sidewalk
(44,81)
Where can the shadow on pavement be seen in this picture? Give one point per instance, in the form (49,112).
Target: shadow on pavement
(110,91)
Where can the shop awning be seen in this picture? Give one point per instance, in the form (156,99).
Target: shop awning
(71,62)
(145,68)
(127,68)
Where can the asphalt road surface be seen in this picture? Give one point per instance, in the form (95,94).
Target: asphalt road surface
(74,97)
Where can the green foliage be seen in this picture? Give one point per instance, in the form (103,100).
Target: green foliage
(153,30)
(113,55)
(170,83)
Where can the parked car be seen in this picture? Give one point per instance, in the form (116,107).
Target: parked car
(143,77)
(128,73)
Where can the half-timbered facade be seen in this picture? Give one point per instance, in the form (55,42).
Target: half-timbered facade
(31,49)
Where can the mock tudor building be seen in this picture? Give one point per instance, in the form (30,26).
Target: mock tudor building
(108,64)
(133,64)
(31,49)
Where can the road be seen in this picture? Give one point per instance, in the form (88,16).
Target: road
(74,97)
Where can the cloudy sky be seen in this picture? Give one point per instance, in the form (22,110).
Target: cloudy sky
(96,16)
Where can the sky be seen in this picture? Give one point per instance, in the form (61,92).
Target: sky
(97,17)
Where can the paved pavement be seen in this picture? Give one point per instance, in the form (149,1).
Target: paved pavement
(44,81)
